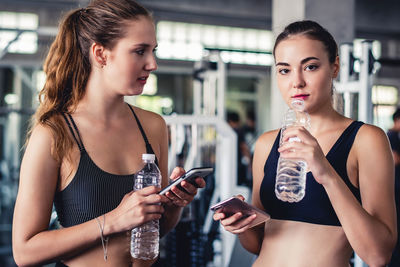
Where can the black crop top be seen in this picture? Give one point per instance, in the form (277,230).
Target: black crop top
(315,207)
(92,192)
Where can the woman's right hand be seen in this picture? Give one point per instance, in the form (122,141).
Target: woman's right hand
(135,209)
(234,224)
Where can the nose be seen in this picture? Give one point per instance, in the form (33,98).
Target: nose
(298,80)
(151,63)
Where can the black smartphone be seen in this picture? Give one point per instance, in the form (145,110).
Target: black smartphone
(189,176)
(234,205)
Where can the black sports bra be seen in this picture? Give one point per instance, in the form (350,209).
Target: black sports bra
(92,192)
(315,207)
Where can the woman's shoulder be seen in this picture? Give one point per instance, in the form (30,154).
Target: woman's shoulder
(371,137)
(370,132)
(42,131)
(49,128)
(149,119)
(40,140)
(264,145)
(146,114)
(267,138)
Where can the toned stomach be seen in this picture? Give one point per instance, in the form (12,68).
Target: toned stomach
(118,254)
(298,244)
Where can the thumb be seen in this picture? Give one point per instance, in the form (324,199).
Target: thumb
(177,172)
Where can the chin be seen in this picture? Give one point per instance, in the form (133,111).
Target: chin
(134,91)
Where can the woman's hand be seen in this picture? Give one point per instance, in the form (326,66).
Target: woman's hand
(306,148)
(180,197)
(136,208)
(234,224)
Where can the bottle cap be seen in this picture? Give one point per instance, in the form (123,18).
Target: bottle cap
(148,157)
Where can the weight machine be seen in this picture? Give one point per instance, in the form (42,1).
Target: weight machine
(351,85)
(207,127)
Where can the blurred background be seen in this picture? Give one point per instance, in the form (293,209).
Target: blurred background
(214,88)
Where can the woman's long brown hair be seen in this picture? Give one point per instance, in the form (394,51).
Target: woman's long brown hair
(67,65)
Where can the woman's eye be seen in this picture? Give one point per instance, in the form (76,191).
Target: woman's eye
(311,67)
(140,52)
(283,71)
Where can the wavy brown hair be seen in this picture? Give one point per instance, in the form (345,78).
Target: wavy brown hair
(67,65)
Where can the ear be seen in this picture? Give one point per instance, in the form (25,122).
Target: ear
(99,55)
(336,67)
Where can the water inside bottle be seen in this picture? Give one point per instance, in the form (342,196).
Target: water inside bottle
(290,182)
(145,241)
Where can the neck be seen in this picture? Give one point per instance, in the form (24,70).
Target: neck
(323,119)
(101,103)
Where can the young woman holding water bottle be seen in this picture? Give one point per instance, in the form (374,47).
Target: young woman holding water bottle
(349,202)
(86,143)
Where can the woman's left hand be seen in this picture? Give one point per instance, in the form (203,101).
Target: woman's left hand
(307,149)
(180,197)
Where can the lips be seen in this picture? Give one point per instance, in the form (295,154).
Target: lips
(143,79)
(301,96)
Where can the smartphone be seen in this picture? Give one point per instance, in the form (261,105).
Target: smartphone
(190,176)
(234,205)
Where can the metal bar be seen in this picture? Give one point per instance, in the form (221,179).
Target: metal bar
(237,50)
(5,50)
(42,31)
(351,87)
(365,113)
(221,87)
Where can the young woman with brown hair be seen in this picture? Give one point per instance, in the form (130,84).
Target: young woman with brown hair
(86,144)
(349,200)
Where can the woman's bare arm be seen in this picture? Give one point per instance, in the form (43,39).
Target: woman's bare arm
(252,238)
(370,229)
(32,243)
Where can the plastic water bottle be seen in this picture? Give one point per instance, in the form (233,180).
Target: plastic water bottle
(290,184)
(145,238)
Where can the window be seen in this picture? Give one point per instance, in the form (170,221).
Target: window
(186,41)
(18,32)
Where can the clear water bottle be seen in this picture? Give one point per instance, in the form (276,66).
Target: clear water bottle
(145,238)
(290,184)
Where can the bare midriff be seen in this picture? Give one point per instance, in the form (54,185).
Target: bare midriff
(299,244)
(118,254)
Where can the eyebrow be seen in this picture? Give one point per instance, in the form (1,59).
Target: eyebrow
(144,45)
(303,61)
